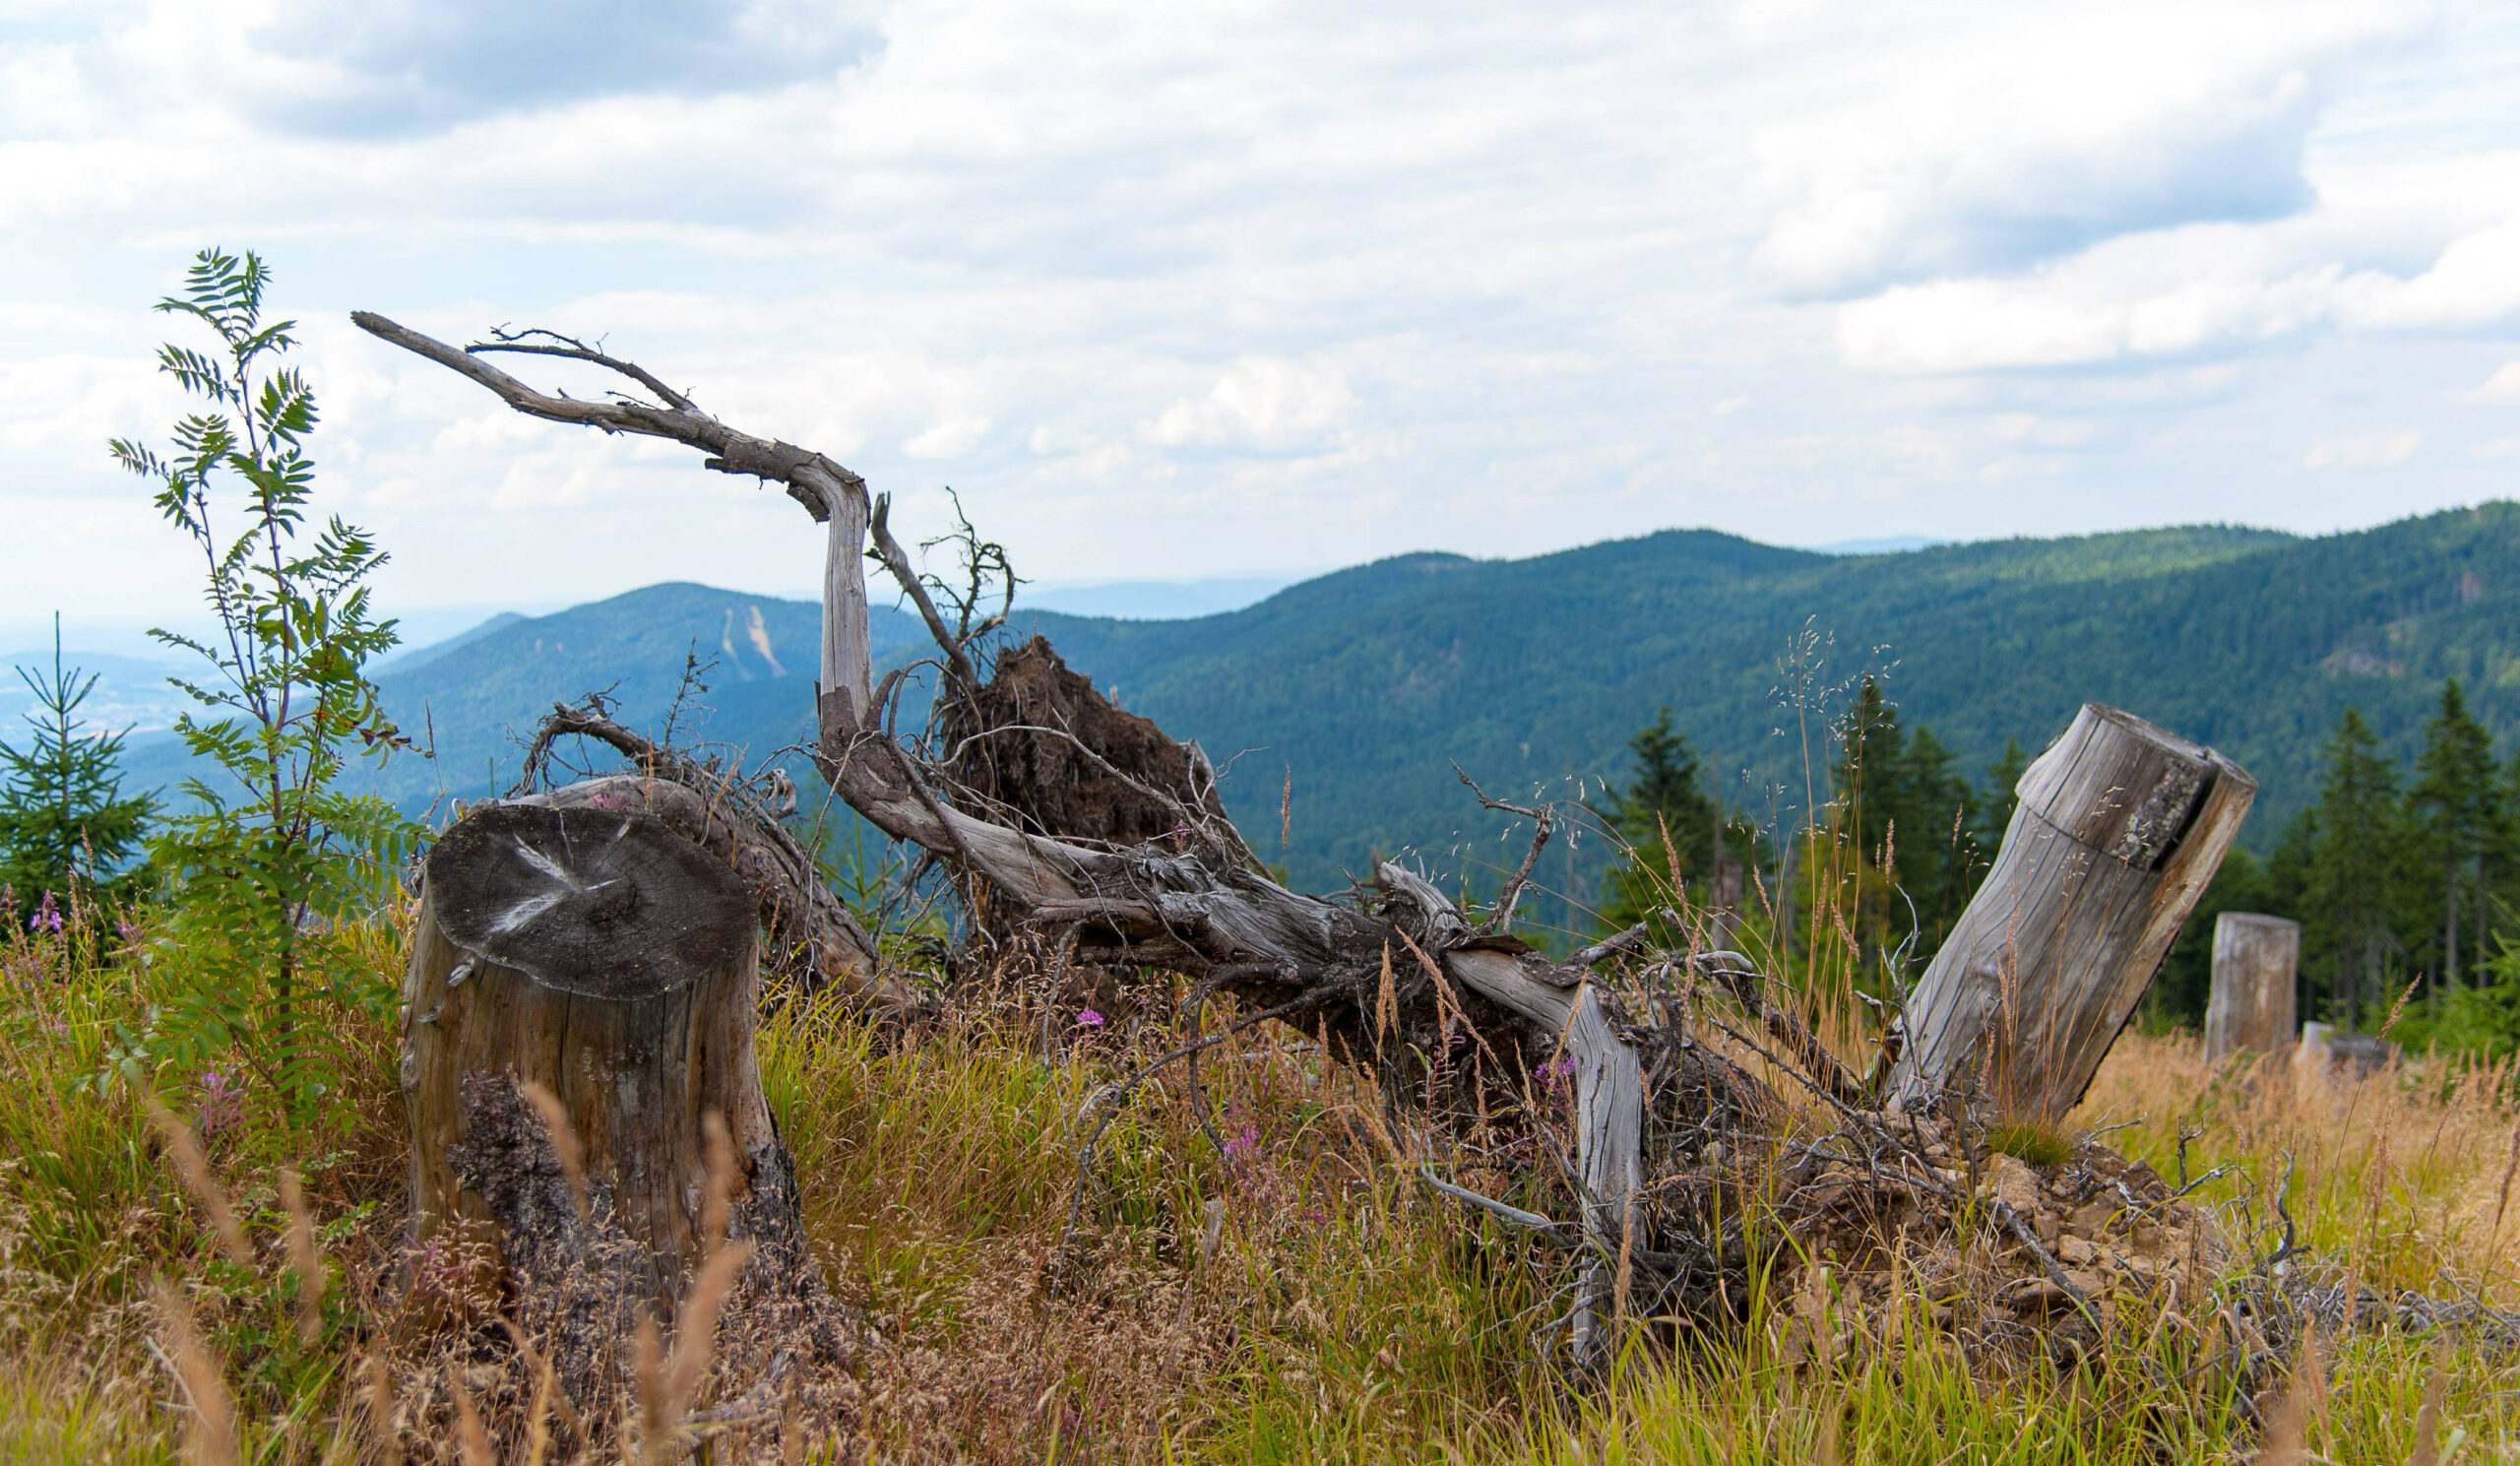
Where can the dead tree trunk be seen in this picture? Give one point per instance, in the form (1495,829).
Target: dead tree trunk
(2255,963)
(2121,826)
(580,1006)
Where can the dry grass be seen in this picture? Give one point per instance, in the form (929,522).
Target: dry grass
(1296,1298)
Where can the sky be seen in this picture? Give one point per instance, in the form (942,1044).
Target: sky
(1170,291)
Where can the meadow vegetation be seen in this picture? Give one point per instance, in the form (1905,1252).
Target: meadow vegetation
(1298,1295)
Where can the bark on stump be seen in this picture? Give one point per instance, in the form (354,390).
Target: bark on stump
(2121,825)
(602,956)
(2255,960)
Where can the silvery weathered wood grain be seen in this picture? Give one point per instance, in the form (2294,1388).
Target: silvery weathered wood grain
(2256,960)
(2121,826)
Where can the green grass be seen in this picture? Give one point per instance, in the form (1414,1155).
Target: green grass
(2039,1145)
(1343,1312)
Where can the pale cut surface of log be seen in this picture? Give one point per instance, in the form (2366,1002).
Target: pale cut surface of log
(2256,961)
(810,937)
(598,954)
(2121,825)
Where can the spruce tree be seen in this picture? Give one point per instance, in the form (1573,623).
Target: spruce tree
(2457,803)
(1903,812)
(65,822)
(1996,804)
(1666,793)
(2353,846)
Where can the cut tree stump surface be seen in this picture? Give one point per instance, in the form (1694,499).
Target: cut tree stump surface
(598,954)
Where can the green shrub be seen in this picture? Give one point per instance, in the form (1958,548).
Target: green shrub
(273,854)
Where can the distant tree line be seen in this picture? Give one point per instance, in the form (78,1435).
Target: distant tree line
(1882,869)
(2406,880)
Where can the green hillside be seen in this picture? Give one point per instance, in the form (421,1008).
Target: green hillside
(1368,685)
(1367,682)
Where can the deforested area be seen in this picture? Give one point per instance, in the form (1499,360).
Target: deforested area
(965,1085)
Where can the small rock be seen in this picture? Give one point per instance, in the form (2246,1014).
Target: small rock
(2031,1296)
(2010,1180)
(2075,1252)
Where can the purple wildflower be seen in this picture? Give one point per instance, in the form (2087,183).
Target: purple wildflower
(218,1103)
(47,917)
(1088,1018)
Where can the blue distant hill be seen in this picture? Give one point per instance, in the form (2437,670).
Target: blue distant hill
(1364,687)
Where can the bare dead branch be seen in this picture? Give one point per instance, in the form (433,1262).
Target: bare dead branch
(1501,915)
(906,575)
(504,340)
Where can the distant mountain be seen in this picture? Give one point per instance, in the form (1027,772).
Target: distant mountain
(1889,546)
(477,698)
(131,692)
(1157,599)
(1364,687)
(402,659)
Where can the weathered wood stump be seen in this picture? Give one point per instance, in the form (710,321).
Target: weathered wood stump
(2121,826)
(2256,961)
(599,955)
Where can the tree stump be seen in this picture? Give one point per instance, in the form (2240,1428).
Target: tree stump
(2121,825)
(611,962)
(2255,960)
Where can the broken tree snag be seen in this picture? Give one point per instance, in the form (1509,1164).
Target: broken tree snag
(597,959)
(2255,960)
(2120,827)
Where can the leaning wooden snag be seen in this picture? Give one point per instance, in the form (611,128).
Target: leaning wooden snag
(2119,828)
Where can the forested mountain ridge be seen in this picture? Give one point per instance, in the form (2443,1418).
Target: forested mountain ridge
(1525,671)
(1365,685)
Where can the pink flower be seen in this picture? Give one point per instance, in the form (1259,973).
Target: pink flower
(1088,1018)
(218,1103)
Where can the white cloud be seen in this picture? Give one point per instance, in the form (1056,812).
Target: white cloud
(2502,386)
(1259,405)
(949,437)
(2362,450)
(2127,301)
(2056,132)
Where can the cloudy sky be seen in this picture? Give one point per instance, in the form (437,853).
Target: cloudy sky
(1173,290)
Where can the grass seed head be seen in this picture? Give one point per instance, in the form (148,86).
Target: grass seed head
(211,1438)
(194,1168)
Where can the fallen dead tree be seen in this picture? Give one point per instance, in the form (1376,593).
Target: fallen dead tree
(1454,1017)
